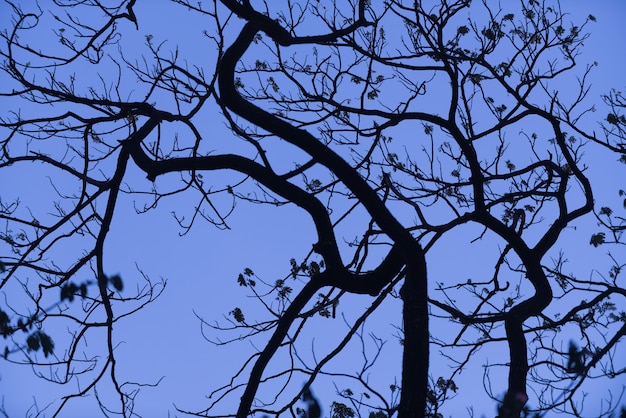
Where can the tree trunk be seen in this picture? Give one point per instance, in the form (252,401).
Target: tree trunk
(414,294)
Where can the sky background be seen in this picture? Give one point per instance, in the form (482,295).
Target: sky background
(165,339)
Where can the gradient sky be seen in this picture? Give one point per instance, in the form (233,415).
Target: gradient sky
(165,340)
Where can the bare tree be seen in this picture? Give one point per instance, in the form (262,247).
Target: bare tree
(412,134)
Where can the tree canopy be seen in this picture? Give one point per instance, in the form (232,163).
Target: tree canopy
(447,158)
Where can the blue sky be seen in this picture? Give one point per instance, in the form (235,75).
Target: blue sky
(165,340)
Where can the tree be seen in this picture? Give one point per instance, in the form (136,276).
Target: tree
(403,130)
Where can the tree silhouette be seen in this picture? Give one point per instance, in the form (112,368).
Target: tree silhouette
(416,137)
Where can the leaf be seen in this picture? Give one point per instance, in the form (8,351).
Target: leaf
(33,342)
(67,291)
(597,239)
(314,268)
(612,119)
(372,94)
(340,410)
(529,208)
(489,34)
(21,325)
(116,281)
(510,165)
(295,269)
(241,280)
(284,291)
(4,324)
(46,343)
(238,315)
(38,340)
(314,185)
(83,290)
(4,318)
(272,82)
(452,385)
(605,211)
(475,78)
